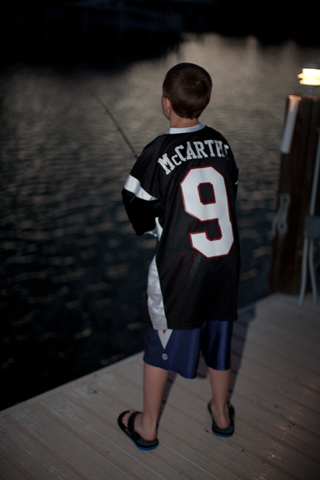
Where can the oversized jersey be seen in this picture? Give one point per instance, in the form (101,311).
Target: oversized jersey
(183,187)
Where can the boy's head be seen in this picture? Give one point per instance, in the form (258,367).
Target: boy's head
(188,87)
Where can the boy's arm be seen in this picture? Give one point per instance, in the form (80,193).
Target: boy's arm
(141,207)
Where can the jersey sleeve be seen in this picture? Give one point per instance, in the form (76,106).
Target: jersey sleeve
(140,206)
(233,167)
(140,193)
(235,176)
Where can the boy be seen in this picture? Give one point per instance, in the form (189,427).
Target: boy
(183,186)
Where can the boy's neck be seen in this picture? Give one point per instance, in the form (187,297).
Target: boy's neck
(179,122)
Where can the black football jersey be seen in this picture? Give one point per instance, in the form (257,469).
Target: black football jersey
(183,188)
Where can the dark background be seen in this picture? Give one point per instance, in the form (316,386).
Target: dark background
(55,349)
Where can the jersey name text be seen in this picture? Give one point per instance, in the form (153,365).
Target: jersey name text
(191,151)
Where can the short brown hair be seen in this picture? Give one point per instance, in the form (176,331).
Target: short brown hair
(188,87)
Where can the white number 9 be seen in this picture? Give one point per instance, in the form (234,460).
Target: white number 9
(217,210)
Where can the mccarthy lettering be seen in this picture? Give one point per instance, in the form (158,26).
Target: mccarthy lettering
(191,151)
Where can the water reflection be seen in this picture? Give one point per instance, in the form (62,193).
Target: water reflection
(73,273)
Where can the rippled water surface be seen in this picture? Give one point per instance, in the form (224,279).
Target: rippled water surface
(73,273)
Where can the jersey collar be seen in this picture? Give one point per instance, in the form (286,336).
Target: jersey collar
(185,130)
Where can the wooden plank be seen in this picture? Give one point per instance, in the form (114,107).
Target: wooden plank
(275,425)
(80,458)
(26,459)
(181,462)
(288,305)
(286,345)
(278,381)
(197,436)
(71,432)
(284,365)
(104,436)
(295,338)
(289,320)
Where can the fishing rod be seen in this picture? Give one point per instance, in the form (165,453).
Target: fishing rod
(114,120)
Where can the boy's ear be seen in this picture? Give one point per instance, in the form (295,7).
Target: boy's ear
(166,106)
(166,103)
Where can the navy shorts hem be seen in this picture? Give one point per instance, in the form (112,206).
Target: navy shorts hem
(179,350)
(173,369)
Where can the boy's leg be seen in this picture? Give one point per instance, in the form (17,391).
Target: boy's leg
(220,380)
(154,382)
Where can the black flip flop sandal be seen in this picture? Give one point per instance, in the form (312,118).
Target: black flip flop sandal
(133,435)
(223,432)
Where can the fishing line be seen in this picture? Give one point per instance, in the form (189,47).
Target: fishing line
(116,123)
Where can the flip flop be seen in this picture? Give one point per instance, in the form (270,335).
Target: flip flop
(223,432)
(133,435)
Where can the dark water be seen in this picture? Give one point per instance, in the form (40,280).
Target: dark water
(73,274)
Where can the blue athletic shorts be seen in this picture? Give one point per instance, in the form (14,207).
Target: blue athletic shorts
(179,350)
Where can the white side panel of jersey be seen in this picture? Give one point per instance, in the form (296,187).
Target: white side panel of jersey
(155,299)
(158,228)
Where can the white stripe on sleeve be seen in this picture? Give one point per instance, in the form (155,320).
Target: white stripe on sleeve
(133,185)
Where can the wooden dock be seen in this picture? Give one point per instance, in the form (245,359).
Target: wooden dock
(71,432)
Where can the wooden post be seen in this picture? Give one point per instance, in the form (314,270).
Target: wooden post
(294,193)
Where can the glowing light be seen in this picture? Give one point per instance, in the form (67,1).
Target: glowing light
(310,76)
